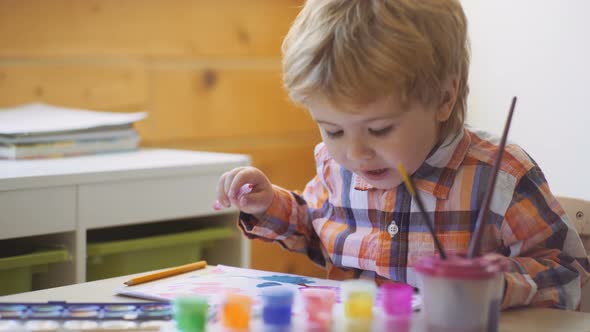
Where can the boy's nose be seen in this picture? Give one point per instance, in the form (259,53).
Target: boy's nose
(359,150)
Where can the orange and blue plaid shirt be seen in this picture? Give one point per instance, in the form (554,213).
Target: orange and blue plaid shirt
(341,222)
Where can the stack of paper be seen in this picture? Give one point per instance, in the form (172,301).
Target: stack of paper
(46,131)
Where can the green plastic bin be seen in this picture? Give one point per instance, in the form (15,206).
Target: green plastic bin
(16,272)
(115,258)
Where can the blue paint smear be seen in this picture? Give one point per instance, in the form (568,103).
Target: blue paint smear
(268,284)
(288,279)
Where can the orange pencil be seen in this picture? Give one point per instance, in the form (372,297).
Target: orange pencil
(167,273)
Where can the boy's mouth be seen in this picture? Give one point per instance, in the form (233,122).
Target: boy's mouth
(375,174)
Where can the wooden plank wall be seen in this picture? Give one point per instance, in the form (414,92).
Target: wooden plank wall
(206,71)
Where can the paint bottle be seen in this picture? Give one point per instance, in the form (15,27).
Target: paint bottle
(277,304)
(190,313)
(358,298)
(396,305)
(319,304)
(235,312)
(11,326)
(41,325)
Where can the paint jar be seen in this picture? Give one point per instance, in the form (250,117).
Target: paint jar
(358,298)
(277,303)
(190,313)
(83,311)
(12,311)
(80,325)
(11,326)
(155,311)
(235,311)
(118,325)
(41,325)
(461,294)
(46,311)
(396,305)
(319,303)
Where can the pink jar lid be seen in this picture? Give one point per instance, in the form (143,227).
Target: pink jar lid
(457,267)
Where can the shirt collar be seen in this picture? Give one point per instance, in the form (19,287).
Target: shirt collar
(436,175)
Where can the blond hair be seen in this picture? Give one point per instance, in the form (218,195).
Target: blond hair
(361,50)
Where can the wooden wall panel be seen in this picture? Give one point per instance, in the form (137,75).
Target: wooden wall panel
(287,161)
(144,27)
(100,86)
(216,102)
(206,71)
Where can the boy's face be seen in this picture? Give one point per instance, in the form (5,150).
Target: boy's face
(372,139)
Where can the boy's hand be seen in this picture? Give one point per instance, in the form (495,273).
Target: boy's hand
(247,188)
(500,263)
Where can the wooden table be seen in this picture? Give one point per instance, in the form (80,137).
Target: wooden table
(519,320)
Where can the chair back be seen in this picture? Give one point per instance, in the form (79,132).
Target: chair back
(578,212)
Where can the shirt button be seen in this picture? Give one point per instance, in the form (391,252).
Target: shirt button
(392,229)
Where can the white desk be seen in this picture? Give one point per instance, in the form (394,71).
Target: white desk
(521,320)
(59,200)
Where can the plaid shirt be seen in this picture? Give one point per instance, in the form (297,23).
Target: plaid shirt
(341,222)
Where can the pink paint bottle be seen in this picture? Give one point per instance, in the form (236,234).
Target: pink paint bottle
(396,305)
(318,303)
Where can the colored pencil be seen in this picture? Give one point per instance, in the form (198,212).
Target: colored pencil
(167,273)
(412,189)
(475,243)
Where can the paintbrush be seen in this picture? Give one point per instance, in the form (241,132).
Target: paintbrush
(411,188)
(475,244)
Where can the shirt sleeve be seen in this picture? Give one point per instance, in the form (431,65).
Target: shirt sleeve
(288,220)
(549,263)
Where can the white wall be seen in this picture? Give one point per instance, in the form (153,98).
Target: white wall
(538,50)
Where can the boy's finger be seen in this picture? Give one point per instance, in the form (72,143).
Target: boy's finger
(223,186)
(221,195)
(227,186)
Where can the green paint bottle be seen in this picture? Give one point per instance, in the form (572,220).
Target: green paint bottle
(190,313)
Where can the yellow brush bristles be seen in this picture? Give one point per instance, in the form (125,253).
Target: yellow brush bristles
(406,177)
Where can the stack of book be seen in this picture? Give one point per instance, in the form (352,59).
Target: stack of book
(46,131)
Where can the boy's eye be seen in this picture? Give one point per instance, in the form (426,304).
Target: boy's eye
(381,132)
(334,134)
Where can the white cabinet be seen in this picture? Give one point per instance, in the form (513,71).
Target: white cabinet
(30,212)
(67,197)
(143,200)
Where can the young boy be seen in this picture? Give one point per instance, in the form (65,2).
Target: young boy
(386,82)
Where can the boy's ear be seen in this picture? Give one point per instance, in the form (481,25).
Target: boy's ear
(449,97)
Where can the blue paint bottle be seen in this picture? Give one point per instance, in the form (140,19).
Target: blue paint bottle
(277,303)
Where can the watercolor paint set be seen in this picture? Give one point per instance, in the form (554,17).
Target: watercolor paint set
(74,316)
